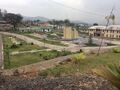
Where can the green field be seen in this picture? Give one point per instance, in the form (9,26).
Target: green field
(26,59)
(13,61)
(24,47)
(22,59)
(84,66)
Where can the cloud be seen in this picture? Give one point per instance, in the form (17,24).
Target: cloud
(72,3)
(14,2)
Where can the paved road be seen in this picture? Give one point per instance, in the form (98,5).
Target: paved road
(29,40)
(109,41)
(72,48)
(25,52)
(1,53)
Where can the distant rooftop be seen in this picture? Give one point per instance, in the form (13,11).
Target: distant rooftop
(110,27)
(2,22)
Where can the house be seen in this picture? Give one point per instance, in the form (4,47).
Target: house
(4,26)
(112,31)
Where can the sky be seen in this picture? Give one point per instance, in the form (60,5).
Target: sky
(91,11)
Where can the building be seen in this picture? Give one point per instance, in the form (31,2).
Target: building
(112,31)
(35,29)
(70,33)
(4,26)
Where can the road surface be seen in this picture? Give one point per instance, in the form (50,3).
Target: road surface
(36,42)
(71,48)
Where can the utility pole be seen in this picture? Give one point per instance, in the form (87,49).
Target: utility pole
(108,21)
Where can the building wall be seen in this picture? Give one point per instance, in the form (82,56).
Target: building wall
(5,27)
(106,33)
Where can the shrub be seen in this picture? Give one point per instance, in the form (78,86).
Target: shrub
(32,43)
(43,73)
(14,46)
(78,57)
(16,73)
(21,44)
(116,50)
(111,73)
(81,51)
(64,53)
(56,72)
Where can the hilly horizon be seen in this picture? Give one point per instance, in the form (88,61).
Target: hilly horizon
(44,19)
(35,18)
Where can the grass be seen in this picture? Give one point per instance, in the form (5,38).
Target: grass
(23,59)
(13,61)
(24,47)
(85,66)
(53,42)
(91,45)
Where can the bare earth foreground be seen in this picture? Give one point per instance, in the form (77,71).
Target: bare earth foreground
(81,82)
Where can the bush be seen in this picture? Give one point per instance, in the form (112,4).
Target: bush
(116,50)
(78,57)
(14,46)
(56,72)
(64,53)
(21,44)
(32,43)
(43,73)
(111,73)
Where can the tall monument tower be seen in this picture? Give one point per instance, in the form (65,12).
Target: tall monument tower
(70,33)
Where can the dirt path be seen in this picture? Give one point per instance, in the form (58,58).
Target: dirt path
(25,52)
(72,48)
(32,68)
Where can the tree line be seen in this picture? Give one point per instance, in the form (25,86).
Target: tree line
(11,18)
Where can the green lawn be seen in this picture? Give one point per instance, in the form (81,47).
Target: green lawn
(24,47)
(85,66)
(30,58)
(21,60)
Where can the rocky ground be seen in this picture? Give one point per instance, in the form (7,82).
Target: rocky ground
(81,82)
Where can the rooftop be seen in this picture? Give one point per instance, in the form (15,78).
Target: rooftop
(110,27)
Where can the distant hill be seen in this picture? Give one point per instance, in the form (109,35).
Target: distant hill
(35,18)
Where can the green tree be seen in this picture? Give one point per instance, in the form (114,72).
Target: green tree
(95,24)
(13,19)
(67,22)
(1,17)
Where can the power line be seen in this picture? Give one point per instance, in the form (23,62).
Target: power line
(108,21)
(76,9)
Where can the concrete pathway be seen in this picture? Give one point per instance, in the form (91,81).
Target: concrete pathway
(72,48)
(1,53)
(109,41)
(25,52)
(30,40)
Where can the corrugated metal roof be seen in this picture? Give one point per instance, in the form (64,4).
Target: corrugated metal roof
(111,27)
(97,27)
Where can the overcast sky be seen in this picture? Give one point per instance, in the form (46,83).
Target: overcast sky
(83,10)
